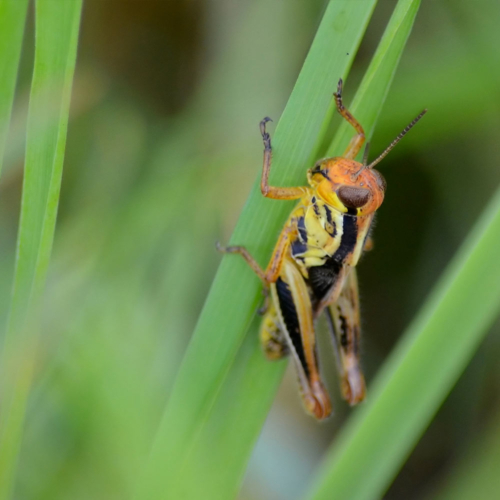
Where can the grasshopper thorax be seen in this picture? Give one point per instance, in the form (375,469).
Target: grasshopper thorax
(347,185)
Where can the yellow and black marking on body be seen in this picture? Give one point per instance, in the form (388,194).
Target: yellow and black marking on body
(312,268)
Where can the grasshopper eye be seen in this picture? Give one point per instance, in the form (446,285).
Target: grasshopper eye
(381,182)
(353,197)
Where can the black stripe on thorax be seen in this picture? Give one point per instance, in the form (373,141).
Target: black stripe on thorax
(315,206)
(349,238)
(299,245)
(301,226)
(331,227)
(328,213)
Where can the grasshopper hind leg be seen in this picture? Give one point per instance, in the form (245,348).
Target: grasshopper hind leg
(344,323)
(293,306)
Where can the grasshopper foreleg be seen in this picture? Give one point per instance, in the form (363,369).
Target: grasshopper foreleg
(358,140)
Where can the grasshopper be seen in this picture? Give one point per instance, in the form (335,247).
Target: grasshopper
(312,268)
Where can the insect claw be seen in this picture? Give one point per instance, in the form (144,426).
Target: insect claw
(262,126)
(338,99)
(338,94)
(220,248)
(265,135)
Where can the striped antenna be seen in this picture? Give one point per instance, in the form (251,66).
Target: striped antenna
(398,138)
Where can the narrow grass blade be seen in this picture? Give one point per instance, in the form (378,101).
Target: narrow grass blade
(57,25)
(421,371)
(12,21)
(219,458)
(235,293)
(257,383)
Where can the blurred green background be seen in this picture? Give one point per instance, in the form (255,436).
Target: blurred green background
(163,146)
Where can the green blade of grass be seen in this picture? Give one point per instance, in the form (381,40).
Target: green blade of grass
(421,371)
(12,22)
(223,448)
(247,393)
(57,25)
(234,295)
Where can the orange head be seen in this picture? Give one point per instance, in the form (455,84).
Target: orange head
(352,187)
(347,185)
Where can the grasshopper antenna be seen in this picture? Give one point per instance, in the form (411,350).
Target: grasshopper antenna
(365,154)
(395,141)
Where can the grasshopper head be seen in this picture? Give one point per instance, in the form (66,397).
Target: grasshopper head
(353,187)
(347,185)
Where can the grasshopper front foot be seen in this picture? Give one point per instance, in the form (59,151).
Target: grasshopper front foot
(265,135)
